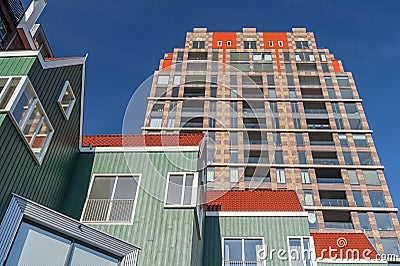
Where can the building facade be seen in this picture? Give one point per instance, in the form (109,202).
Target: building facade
(280,113)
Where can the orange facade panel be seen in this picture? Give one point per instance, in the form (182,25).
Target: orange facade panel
(277,40)
(336,66)
(167,61)
(224,40)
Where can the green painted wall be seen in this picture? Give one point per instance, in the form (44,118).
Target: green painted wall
(47,183)
(165,236)
(275,231)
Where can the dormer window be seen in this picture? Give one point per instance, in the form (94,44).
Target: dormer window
(280,43)
(271,43)
(229,43)
(219,43)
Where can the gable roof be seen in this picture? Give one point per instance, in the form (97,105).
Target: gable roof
(155,140)
(345,243)
(255,200)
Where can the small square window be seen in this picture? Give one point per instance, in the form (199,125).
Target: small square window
(181,190)
(219,43)
(229,43)
(67,100)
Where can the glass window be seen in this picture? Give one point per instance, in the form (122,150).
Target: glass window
(199,44)
(332,93)
(348,159)
(234,174)
(234,93)
(364,221)
(234,154)
(212,122)
(263,67)
(322,57)
(278,157)
(213,92)
(270,80)
(238,56)
(335,108)
(210,174)
(214,56)
(266,56)
(328,81)
(67,100)
(302,45)
(250,45)
(308,198)
(299,139)
(288,68)
(358,198)
(290,80)
(351,108)
(179,56)
(277,139)
(325,67)
(243,251)
(302,157)
(360,140)
(181,189)
(343,81)
(275,122)
(300,251)
(377,199)
(391,246)
(244,67)
(305,176)
(365,158)
(274,107)
(384,221)
(111,199)
(371,177)
(280,176)
(355,124)
(353,177)
(339,123)
(346,93)
(155,122)
(272,93)
(294,107)
(233,136)
(292,94)
(343,140)
(286,56)
(162,80)
(35,246)
(177,80)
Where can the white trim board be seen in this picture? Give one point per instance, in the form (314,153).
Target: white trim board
(141,149)
(255,214)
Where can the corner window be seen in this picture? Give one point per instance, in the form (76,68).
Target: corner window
(360,140)
(242,251)
(181,190)
(67,100)
(18,97)
(112,199)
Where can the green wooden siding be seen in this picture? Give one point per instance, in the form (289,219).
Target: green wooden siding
(165,236)
(274,230)
(47,183)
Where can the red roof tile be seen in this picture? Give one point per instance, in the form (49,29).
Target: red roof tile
(256,200)
(345,244)
(142,140)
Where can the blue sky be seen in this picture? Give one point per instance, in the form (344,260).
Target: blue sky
(126,39)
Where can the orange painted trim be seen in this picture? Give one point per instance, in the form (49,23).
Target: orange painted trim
(167,62)
(275,37)
(221,40)
(336,66)
(278,61)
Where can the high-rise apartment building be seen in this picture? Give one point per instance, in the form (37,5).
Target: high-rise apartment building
(280,113)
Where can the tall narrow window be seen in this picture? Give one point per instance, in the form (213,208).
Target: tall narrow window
(234,154)
(234,175)
(308,198)
(343,140)
(358,198)
(279,157)
(181,189)
(299,139)
(302,157)
(210,174)
(242,251)
(348,159)
(364,221)
(353,177)
(280,176)
(305,176)
(111,199)
(67,100)
(300,250)
(199,44)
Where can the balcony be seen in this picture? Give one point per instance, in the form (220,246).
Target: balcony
(257,179)
(252,112)
(309,81)
(311,93)
(338,225)
(321,139)
(256,160)
(337,220)
(17,10)
(328,176)
(318,124)
(257,174)
(326,161)
(326,158)
(315,110)
(329,180)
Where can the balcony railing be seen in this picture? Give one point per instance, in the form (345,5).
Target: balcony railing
(322,143)
(318,126)
(252,95)
(326,161)
(339,225)
(255,142)
(312,96)
(193,95)
(253,125)
(334,202)
(257,179)
(17,9)
(330,180)
(256,160)
(104,210)
(243,263)
(315,111)
(192,125)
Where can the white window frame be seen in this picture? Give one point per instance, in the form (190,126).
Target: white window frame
(139,176)
(312,247)
(241,238)
(24,84)
(280,43)
(271,43)
(219,43)
(162,81)
(228,43)
(67,86)
(195,190)
(280,176)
